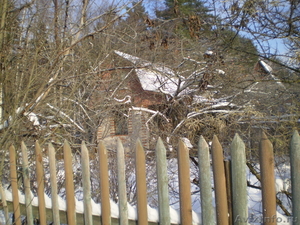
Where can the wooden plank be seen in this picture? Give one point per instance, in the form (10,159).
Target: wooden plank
(4,204)
(104,184)
(14,185)
(70,193)
(207,214)
(184,184)
(122,189)
(239,181)
(219,182)
(295,175)
(86,182)
(266,158)
(227,167)
(140,168)
(40,183)
(26,181)
(162,183)
(53,182)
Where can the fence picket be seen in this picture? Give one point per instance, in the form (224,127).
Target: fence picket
(227,168)
(239,181)
(295,175)
(184,184)
(104,184)
(53,184)
(70,193)
(205,182)
(266,158)
(162,183)
(40,183)
(219,182)
(122,190)
(14,184)
(140,169)
(88,219)
(4,204)
(26,180)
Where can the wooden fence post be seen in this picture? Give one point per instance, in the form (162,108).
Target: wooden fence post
(295,176)
(122,189)
(266,157)
(239,181)
(53,182)
(184,184)
(162,183)
(219,182)
(70,193)
(207,209)
(140,170)
(4,204)
(26,180)
(14,184)
(40,184)
(104,184)
(86,183)
(227,169)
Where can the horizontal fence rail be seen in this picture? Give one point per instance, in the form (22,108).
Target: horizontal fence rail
(222,211)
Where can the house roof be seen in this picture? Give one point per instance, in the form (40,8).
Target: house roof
(268,69)
(153,81)
(153,77)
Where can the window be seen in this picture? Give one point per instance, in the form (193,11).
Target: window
(121,123)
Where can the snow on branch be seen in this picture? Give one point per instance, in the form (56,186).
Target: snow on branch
(149,111)
(66,116)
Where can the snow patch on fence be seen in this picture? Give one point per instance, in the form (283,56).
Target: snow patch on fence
(153,214)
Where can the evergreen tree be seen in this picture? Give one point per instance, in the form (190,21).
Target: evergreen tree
(191,17)
(182,8)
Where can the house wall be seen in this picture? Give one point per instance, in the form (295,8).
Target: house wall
(136,129)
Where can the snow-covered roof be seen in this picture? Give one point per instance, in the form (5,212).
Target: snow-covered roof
(153,77)
(153,81)
(135,60)
(268,69)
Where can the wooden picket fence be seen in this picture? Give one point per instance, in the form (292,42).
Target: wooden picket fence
(221,214)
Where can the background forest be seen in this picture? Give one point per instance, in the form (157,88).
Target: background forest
(55,54)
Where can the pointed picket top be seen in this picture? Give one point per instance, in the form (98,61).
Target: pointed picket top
(205,182)
(86,182)
(162,183)
(14,184)
(26,180)
(53,182)
(295,173)
(203,144)
(184,184)
(266,158)
(104,184)
(122,189)
(40,183)
(219,182)
(239,180)
(140,169)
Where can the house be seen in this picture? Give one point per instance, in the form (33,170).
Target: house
(147,90)
(148,86)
